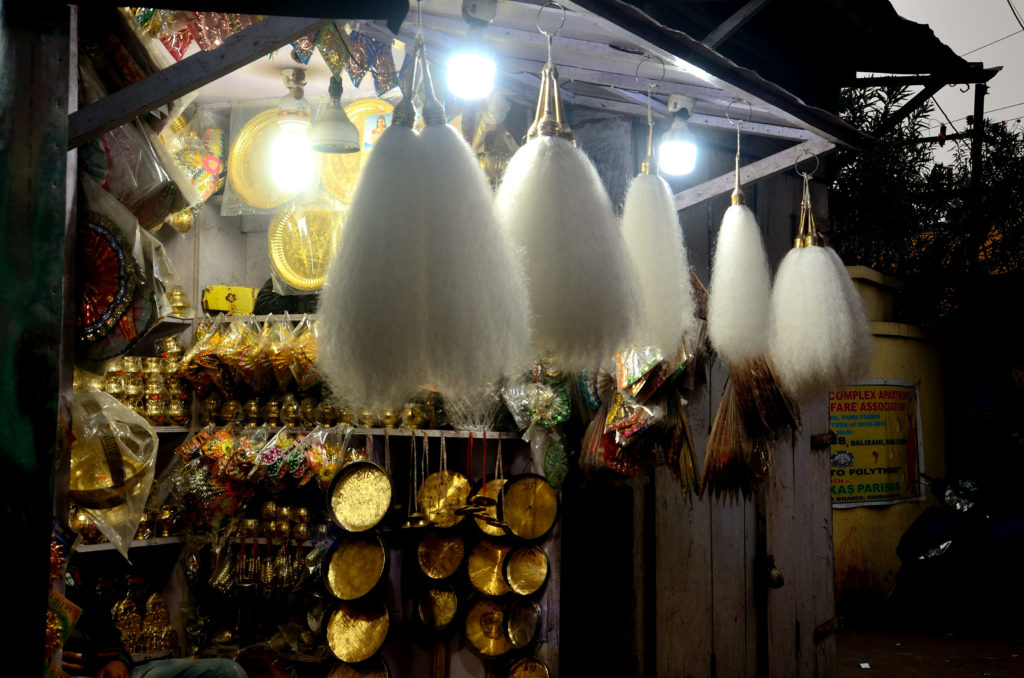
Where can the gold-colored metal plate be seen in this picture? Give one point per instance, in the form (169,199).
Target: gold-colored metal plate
(376,668)
(530,506)
(437,607)
(523,623)
(355,566)
(356,633)
(301,242)
(250,162)
(491,489)
(339,172)
(440,554)
(485,628)
(526,569)
(485,567)
(360,496)
(529,667)
(440,494)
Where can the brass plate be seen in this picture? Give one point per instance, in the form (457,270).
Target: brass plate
(301,242)
(523,623)
(440,494)
(250,160)
(339,172)
(528,667)
(360,496)
(356,633)
(355,566)
(491,489)
(485,628)
(376,668)
(437,607)
(530,506)
(440,554)
(485,567)
(526,569)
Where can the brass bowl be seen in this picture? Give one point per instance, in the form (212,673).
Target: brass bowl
(440,554)
(437,607)
(523,623)
(355,566)
(359,496)
(492,489)
(486,628)
(526,569)
(373,668)
(529,667)
(530,506)
(356,632)
(440,495)
(485,567)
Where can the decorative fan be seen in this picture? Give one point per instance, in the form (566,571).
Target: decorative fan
(108,277)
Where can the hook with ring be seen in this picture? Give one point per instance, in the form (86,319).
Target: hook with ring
(550,34)
(808,156)
(736,120)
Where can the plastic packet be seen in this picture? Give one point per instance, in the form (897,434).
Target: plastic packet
(279,353)
(252,367)
(327,457)
(632,366)
(193,365)
(273,455)
(305,349)
(248,444)
(113,458)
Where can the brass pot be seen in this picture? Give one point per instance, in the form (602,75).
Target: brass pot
(359,496)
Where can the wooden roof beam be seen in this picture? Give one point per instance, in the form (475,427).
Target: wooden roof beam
(725,29)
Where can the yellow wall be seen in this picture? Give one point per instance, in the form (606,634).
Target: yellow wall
(865,538)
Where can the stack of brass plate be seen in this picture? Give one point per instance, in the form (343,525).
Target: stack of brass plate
(523,623)
(526,569)
(375,668)
(301,241)
(440,494)
(251,160)
(485,568)
(356,633)
(530,506)
(491,489)
(339,172)
(528,667)
(354,566)
(440,554)
(485,628)
(360,496)
(437,607)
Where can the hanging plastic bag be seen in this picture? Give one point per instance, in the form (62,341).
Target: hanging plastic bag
(305,349)
(113,459)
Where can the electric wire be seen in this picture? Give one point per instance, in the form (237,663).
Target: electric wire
(989,44)
(1016,15)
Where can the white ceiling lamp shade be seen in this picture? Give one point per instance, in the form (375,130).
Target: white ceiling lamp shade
(424,289)
(333,131)
(552,203)
(677,153)
(291,156)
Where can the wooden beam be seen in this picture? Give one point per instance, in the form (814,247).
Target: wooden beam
(725,29)
(915,102)
(760,169)
(755,128)
(972,77)
(185,76)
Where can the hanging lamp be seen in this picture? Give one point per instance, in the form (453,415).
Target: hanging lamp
(820,335)
(581,284)
(651,229)
(424,288)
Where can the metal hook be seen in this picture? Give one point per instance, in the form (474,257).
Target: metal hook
(555,32)
(738,121)
(641,63)
(806,154)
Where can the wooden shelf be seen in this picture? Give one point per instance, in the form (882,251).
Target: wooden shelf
(137,543)
(171,429)
(436,433)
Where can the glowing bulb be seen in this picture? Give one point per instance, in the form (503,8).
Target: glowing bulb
(470,75)
(292,159)
(677,153)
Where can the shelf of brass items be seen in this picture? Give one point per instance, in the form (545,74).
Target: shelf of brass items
(262,541)
(171,429)
(137,543)
(436,433)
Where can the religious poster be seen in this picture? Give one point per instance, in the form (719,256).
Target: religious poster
(876,453)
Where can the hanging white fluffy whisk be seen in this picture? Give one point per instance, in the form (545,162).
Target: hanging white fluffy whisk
(654,238)
(424,288)
(581,283)
(820,337)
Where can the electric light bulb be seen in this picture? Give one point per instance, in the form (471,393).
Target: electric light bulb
(470,75)
(677,157)
(292,158)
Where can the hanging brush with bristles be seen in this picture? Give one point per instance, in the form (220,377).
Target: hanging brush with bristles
(580,280)
(820,336)
(754,412)
(424,288)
